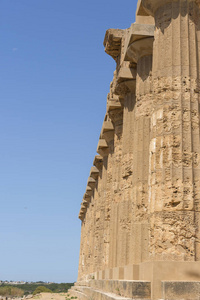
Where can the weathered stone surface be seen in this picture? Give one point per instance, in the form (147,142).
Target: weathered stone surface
(112,42)
(141,210)
(175,290)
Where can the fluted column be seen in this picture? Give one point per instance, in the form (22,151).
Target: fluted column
(139,50)
(126,91)
(98,195)
(107,133)
(119,167)
(174,173)
(117,119)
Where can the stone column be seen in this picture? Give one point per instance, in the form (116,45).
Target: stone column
(117,119)
(105,149)
(108,134)
(174,173)
(126,91)
(120,214)
(93,191)
(114,110)
(98,163)
(124,87)
(139,50)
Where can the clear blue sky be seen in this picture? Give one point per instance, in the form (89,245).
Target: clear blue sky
(54,79)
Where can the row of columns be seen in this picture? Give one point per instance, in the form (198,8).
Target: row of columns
(116,213)
(143,193)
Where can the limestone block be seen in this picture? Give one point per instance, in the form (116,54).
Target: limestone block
(131,272)
(133,289)
(175,290)
(118,273)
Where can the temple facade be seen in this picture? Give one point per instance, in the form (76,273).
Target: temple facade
(140,214)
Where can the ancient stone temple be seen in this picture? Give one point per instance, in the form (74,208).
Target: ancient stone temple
(140,236)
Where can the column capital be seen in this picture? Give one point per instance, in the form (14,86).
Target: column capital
(113,102)
(91,182)
(94,172)
(89,190)
(87,197)
(140,48)
(139,42)
(125,79)
(108,131)
(98,162)
(116,115)
(102,147)
(85,204)
(122,88)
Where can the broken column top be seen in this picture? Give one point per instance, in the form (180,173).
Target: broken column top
(112,42)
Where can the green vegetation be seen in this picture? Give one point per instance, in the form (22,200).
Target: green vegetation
(69,298)
(41,289)
(11,291)
(29,288)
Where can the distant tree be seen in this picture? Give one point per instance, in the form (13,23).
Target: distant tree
(41,289)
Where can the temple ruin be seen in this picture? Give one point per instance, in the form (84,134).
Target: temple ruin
(140,236)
